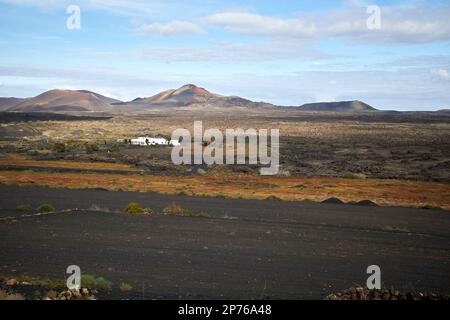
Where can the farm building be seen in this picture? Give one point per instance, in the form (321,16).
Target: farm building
(150,141)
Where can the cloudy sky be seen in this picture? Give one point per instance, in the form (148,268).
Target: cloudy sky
(279,51)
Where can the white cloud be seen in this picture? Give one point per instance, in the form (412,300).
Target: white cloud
(399,25)
(174,28)
(441,74)
(258,25)
(233,52)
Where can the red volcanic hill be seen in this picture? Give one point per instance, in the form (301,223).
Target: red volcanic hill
(184,96)
(65,100)
(190,95)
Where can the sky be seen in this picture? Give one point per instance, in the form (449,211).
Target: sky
(283,52)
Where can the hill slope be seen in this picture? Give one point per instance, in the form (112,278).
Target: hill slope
(341,106)
(7,103)
(65,100)
(189,95)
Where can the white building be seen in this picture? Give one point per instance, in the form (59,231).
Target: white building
(150,141)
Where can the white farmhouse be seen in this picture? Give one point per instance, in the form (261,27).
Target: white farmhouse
(150,141)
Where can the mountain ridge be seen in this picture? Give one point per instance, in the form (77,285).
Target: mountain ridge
(189,95)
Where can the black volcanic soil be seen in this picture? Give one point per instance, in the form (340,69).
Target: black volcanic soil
(245,249)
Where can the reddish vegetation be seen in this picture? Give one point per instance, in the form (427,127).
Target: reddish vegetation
(383,192)
(21,162)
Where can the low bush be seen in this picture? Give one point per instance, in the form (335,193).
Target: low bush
(176,210)
(91,282)
(135,208)
(46,207)
(24,208)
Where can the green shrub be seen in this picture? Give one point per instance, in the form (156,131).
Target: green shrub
(176,210)
(103,284)
(45,208)
(91,282)
(135,208)
(24,208)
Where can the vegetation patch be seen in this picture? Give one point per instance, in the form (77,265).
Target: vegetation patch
(95,283)
(40,282)
(24,208)
(177,210)
(135,208)
(383,192)
(46,207)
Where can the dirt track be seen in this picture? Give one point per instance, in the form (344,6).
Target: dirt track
(247,249)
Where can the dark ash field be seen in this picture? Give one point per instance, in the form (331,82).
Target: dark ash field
(244,250)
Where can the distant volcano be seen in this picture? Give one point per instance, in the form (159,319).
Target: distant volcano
(342,106)
(188,94)
(65,100)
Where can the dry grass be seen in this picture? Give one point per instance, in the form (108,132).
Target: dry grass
(383,192)
(17,160)
(177,210)
(126,127)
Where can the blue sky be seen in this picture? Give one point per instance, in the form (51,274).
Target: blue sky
(284,52)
